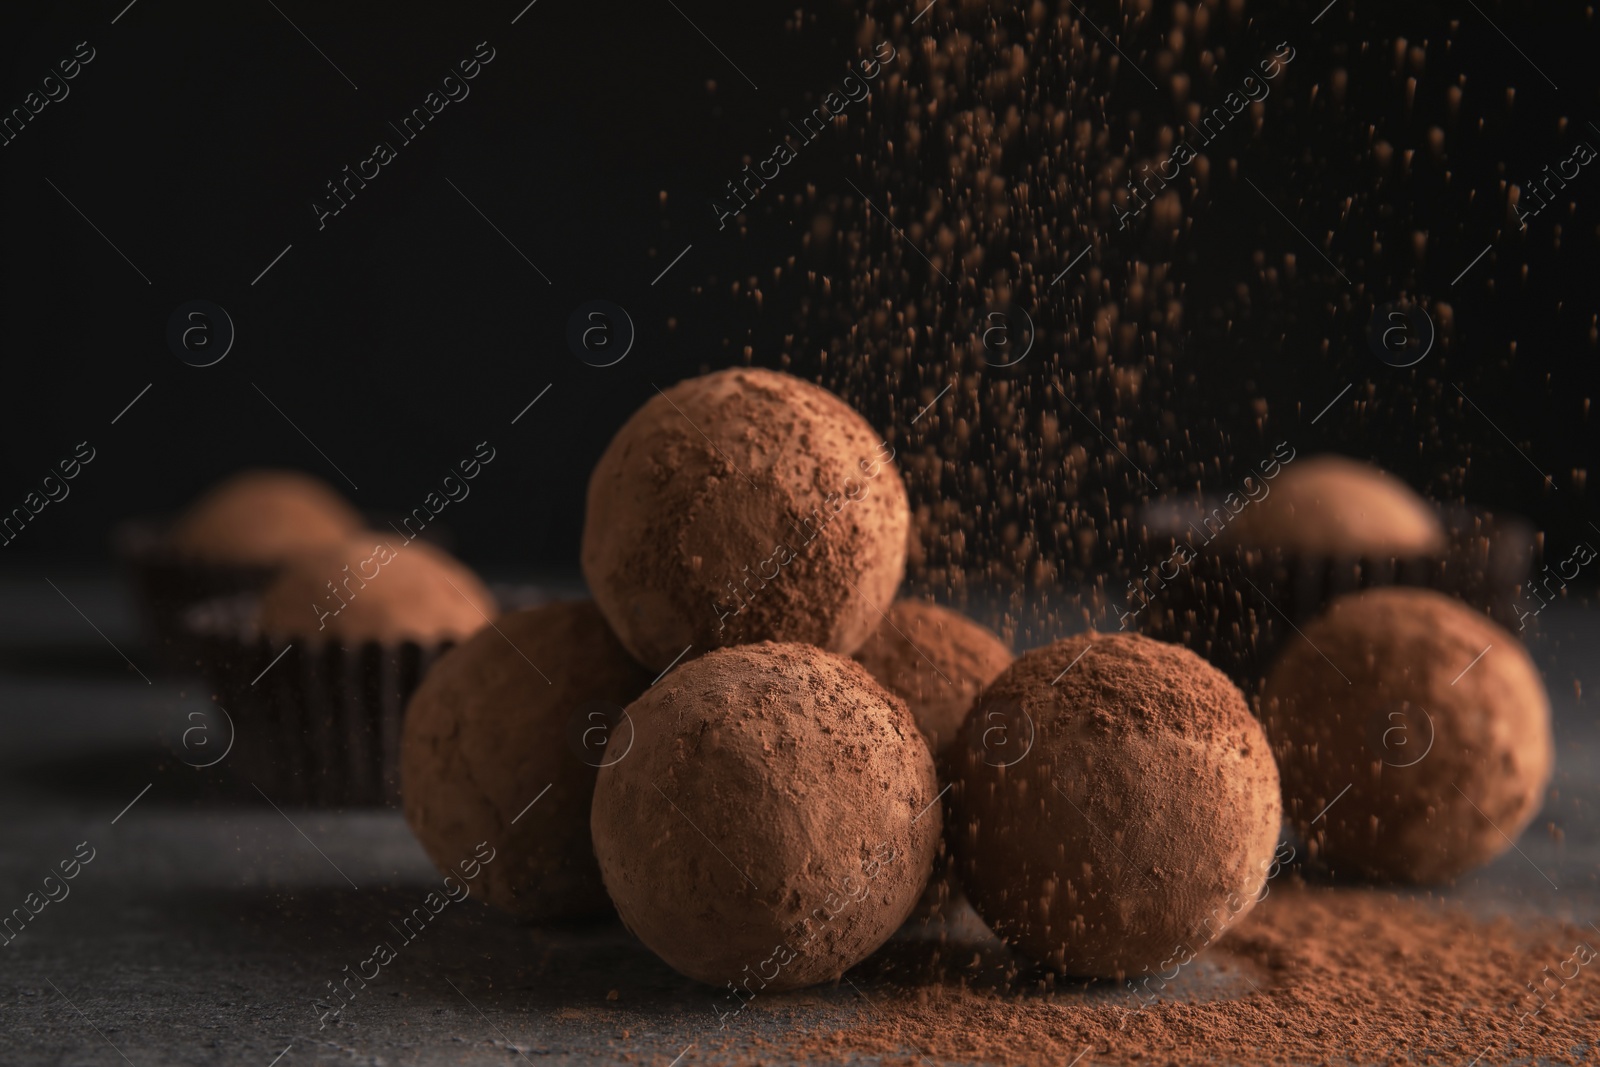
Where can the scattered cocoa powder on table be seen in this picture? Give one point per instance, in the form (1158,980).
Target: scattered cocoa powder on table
(1356,976)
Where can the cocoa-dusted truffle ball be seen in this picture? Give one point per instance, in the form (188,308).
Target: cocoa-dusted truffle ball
(489,732)
(1446,755)
(377,589)
(264,517)
(775,821)
(936,660)
(1111,808)
(1334,506)
(744,506)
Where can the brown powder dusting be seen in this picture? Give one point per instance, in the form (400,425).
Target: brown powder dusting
(995,144)
(1331,975)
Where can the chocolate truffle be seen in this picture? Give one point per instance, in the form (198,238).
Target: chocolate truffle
(936,660)
(1432,716)
(377,589)
(1333,506)
(487,734)
(1114,800)
(775,821)
(739,507)
(264,517)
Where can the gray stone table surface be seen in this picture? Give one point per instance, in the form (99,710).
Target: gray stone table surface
(208,922)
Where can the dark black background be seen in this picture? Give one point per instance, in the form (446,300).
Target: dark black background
(408,330)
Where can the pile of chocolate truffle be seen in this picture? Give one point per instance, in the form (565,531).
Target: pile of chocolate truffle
(758,757)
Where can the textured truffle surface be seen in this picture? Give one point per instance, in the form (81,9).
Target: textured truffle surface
(382,589)
(743,506)
(1438,762)
(937,661)
(264,517)
(1142,816)
(488,732)
(775,821)
(1334,506)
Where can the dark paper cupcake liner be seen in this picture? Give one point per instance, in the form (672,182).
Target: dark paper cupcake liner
(315,722)
(166,584)
(1236,607)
